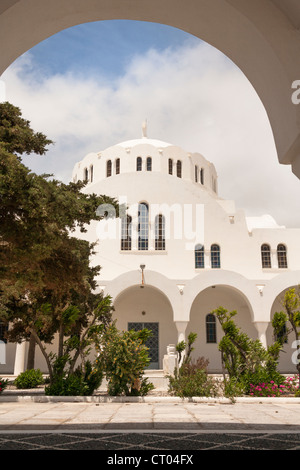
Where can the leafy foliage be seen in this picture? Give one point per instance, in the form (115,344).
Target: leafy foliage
(245,359)
(29,379)
(124,358)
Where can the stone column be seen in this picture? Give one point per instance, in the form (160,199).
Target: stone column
(181,327)
(20,358)
(261,327)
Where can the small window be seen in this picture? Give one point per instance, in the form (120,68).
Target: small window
(179,169)
(196,174)
(91,173)
(170,166)
(266,256)
(281,256)
(202,176)
(199,256)
(211,330)
(139,164)
(149,164)
(160,239)
(85,174)
(126,233)
(215,256)
(108,168)
(117,166)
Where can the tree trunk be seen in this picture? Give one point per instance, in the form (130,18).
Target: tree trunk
(43,350)
(31,352)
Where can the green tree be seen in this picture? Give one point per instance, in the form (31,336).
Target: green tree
(124,357)
(290,316)
(42,265)
(245,359)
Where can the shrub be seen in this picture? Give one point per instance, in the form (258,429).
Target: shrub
(31,378)
(77,383)
(192,380)
(124,358)
(3,384)
(273,389)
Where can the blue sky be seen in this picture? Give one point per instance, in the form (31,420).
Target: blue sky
(92,86)
(105,47)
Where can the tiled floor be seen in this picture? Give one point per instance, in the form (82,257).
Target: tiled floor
(184,443)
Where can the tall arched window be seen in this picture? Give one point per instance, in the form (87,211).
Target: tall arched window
(108,168)
(117,166)
(91,173)
(266,256)
(179,168)
(199,256)
(143,226)
(170,166)
(126,233)
(215,258)
(139,164)
(196,174)
(85,174)
(211,330)
(160,237)
(149,164)
(281,256)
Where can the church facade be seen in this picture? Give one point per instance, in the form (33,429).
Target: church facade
(179,251)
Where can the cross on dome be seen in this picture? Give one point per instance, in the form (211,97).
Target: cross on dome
(144,128)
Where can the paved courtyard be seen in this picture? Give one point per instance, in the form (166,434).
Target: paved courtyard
(148,426)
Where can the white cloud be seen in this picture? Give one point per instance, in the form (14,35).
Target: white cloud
(192,96)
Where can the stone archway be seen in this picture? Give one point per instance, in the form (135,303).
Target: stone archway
(204,303)
(257,36)
(147,307)
(285,360)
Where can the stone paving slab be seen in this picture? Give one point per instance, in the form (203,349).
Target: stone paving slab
(188,416)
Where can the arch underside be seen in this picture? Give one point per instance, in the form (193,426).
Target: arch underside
(257,36)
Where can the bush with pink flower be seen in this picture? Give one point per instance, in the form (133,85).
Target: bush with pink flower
(290,386)
(3,384)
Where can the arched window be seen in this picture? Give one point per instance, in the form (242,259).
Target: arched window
(91,173)
(281,256)
(202,176)
(211,330)
(143,226)
(108,168)
(170,163)
(196,174)
(199,256)
(126,233)
(160,238)
(215,256)
(139,164)
(179,168)
(266,256)
(117,166)
(149,164)
(85,174)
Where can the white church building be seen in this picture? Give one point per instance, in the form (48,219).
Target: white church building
(179,251)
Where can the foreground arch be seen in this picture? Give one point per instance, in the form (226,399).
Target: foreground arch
(260,36)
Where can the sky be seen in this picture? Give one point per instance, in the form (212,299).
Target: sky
(92,86)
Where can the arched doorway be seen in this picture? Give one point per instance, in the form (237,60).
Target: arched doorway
(147,307)
(285,364)
(208,329)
